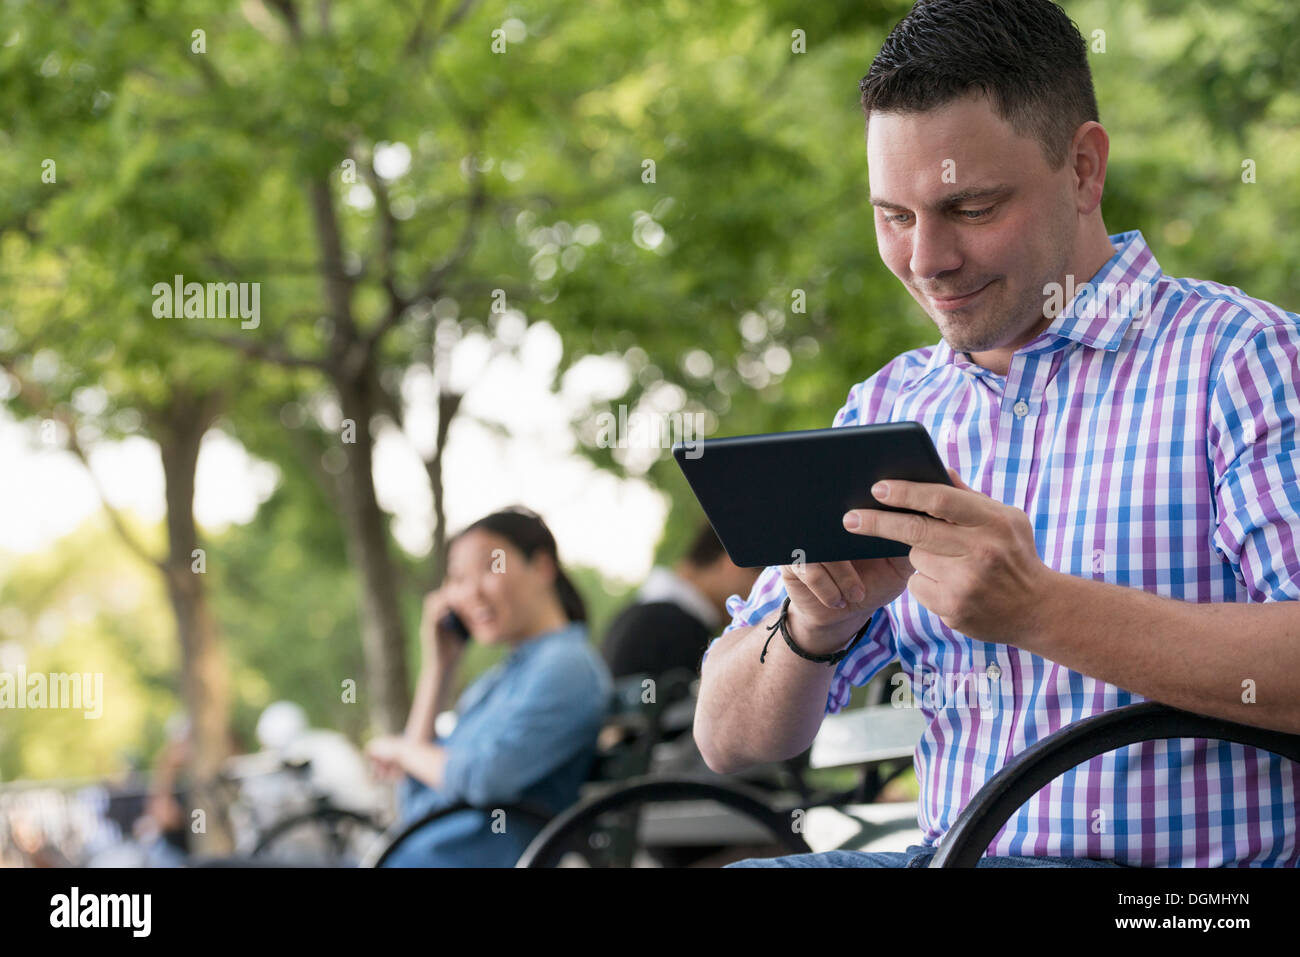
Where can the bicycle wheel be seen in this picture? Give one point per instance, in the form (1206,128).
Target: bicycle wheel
(325,837)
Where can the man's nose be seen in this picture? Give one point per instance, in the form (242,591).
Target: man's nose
(934,248)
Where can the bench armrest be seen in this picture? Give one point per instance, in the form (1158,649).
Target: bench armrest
(1041,763)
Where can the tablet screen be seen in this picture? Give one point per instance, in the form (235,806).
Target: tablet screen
(780,498)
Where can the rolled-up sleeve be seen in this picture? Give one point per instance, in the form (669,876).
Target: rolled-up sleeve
(1253,410)
(768,593)
(553,713)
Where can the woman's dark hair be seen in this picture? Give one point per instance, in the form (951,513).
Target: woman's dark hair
(1027,56)
(524,529)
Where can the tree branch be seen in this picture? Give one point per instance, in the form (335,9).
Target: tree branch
(260,350)
(287,10)
(282,267)
(348,354)
(456,16)
(432,282)
(415,42)
(387,241)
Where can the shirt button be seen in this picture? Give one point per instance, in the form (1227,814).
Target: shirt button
(993,671)
(1020,409)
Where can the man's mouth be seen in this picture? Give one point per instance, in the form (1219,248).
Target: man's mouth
(959,301)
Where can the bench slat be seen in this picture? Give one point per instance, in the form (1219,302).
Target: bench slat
(866,736)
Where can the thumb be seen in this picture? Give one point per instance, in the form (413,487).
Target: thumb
(958,481)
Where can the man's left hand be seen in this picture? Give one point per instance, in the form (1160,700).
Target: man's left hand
(977,566)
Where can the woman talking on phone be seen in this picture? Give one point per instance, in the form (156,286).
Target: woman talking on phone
(526,729)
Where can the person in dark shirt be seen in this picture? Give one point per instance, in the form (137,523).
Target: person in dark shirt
(677,611)
(667,627)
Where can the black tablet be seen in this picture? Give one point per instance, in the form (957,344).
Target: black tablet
(780,498)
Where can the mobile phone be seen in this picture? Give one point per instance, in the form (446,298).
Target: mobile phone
(451,621)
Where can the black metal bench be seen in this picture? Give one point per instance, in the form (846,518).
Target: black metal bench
(1042,762)
(681,802)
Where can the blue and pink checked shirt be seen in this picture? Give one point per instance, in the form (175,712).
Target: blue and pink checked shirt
(1150,434)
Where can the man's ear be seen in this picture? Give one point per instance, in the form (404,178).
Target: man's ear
(1089,152)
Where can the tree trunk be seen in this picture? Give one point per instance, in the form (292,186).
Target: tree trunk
(448,404)
(205,677)
(351,368)
(383,633)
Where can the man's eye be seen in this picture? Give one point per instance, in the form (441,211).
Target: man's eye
(897,218)
(975,214)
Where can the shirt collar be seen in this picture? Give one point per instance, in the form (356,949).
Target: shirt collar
(1099,312)
(663,584)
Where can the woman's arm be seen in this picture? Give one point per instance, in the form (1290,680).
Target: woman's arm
(551,713)
(432,697)
(413,751)
(422,760)
(425,762)
(441,655)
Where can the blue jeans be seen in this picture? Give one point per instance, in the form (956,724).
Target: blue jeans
(917,855)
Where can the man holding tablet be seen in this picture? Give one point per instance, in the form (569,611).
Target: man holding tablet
(1125,508)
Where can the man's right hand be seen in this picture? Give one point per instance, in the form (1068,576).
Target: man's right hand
(859,587)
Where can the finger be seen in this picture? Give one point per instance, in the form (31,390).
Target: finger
(867,567)
(903,566)
(960,506)
(846,579)
(817,581)
(932,534)
(933,566)
(926,591)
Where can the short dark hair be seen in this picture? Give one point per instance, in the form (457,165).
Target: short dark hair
(1027,56)
(705,547)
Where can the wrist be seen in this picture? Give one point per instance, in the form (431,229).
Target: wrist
(823,639)
(1055,596)
(434,677)
(443,653)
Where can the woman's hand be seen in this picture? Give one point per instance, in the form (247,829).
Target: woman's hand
(166,811)
(441,646)
(387,754)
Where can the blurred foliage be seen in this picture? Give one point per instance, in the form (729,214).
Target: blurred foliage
(86,606)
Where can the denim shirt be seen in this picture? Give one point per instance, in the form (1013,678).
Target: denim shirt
(525,732)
